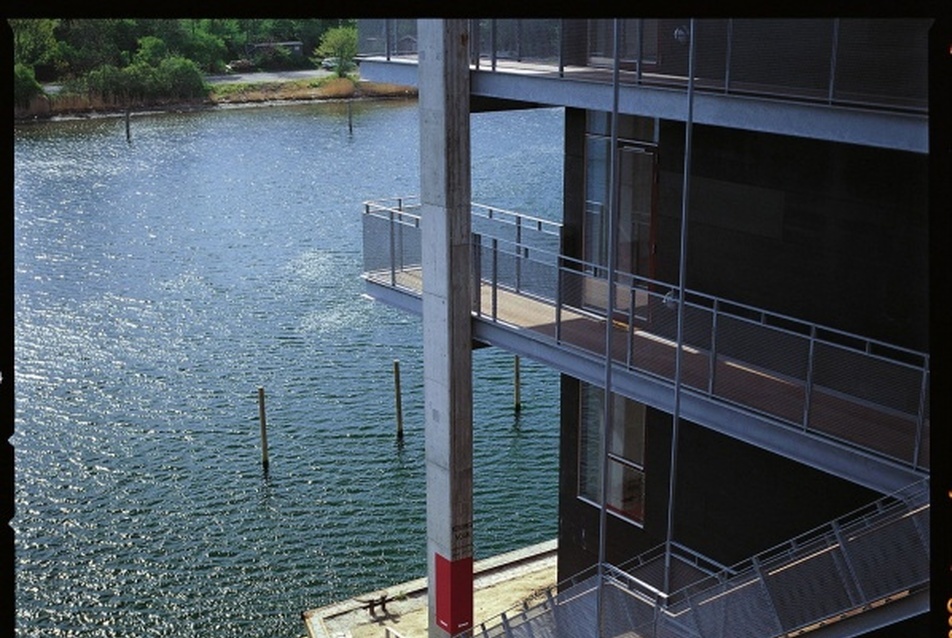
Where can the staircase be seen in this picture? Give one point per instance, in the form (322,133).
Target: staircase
(864,570)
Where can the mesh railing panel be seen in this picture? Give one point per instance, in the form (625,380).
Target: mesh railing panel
(376,244)
(882,60)
(782,56)
(372,36)
(623,611)
(878,551)
(846,389)
(740,608)
(392,248)
(379,37)
(519,40)
(877,62)
(763,347)
(809,585)
(576,611)
(877,381)
(887,561)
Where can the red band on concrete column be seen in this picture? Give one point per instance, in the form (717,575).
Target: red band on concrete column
(454,594)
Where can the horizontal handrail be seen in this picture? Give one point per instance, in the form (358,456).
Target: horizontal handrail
(828,61)
(776,590)
(736,344)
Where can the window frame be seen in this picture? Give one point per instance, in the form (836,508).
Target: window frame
(588,392)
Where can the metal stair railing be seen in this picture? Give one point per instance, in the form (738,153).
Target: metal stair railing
(855,564)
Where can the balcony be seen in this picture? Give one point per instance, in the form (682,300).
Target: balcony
(860,81)
(853,406)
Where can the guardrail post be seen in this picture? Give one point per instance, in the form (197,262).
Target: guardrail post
(808,382)
(518,253)
(632,298)
(393,254)
(492,43)
(849,567)
(505,625)
(400,250)
(727,61)
(558,299)
(921,417)
(495,277)
(477,273)
(562,48)
(755,563)
(712,364)
(833,54)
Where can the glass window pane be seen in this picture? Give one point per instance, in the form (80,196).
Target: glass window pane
(626,490)
(590,442)
(625,474)
(628,431)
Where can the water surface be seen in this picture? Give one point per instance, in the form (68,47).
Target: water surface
(158,284)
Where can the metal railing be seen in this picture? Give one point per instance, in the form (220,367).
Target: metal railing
(854,389)
(874,62)
(856,563)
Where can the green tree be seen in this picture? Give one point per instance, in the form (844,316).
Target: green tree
(25,86)
(33,40)
(340,43)
(206,49)
(152,51)
(88,44)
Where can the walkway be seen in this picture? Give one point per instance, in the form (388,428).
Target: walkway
(500,584)
(829,411)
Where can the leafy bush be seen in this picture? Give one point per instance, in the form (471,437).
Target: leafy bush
(25,86)
(174,77)
(182,78)
(108,81)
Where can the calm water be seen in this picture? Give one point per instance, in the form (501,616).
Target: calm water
(158,284)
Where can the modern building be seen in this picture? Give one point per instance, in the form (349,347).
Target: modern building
(736,297)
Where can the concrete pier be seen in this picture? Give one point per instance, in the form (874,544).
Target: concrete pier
(500,583)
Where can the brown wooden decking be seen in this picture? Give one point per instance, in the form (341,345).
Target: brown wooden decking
(833,414)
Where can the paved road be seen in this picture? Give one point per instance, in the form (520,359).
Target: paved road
(243,78)
(275,76)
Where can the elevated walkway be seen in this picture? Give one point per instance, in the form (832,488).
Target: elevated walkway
(844,404)
(865,570)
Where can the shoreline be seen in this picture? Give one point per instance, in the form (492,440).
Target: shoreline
(47,108)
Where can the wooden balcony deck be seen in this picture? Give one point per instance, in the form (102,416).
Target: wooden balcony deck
(831,414)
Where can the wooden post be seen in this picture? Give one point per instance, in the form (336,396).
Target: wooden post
(517,403)
(264,430)
(128,128)
(398,398)
(350,118)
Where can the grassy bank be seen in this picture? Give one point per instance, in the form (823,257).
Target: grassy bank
(325,88)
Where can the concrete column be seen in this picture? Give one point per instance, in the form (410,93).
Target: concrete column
(447,339)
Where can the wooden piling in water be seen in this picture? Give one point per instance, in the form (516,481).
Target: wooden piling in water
(128,127)
(264,429)
(398,400)
(517,392)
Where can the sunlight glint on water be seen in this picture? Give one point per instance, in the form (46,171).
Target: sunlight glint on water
(157,285)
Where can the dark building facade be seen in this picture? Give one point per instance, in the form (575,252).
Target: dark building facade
(763,225)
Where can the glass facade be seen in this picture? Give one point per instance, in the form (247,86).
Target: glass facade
(626,453)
